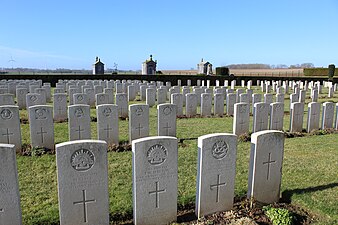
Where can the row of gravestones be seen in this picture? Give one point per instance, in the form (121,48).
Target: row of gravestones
(82,175)
(102,92)
(204,96)
(42,126)
(190,100)
(262,111)
(121,86)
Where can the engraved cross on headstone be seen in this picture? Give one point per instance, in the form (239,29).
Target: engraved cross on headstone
(139,129)
(241,123)
(60,110)
(167,127)
(276,123)
(260,123)
(217,185)
(314,116)
(157,193)
(84,202)
(268,162)
(7,134)
(41,132)
(108,129)
(298,114)
(80,130)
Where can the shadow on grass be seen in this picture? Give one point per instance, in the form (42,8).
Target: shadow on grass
(287,194)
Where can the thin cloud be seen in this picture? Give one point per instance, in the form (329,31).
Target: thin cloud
(15,52)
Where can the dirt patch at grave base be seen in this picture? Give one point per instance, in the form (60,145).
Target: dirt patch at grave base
(242,210)
(242,213)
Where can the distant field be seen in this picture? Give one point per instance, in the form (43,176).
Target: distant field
(245,72)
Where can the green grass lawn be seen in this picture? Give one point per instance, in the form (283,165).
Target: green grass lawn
(310,170)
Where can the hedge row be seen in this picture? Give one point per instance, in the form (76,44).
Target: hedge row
(318,72)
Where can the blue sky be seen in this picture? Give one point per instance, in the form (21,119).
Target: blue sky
(70,34)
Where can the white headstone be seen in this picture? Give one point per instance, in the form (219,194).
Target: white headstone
(241,118)
(154,180)
(293,98)
(71,93)
(206,104)
(185,90)
(60,107)
(216,170)
(7,99)
(10,132)
(268,98)
(177,99)
(138,121)
(108,123)
(233,84)
(79,122)
(230,103)
(82,174)
(80,98)
(296,117)
(314,95)
(42,92)
(198,91)
(280,98)
(101,99)
(150,97)
(110,92)
(244,98)
(327,115)
(238,93)
(41,126)
(265,170)
(122,104)
(276,116)
(10,211)
(260,116)
(34,99)
(191,105)
(166,120)
(21,97)
(330,94)
(255,99)
(313,116)
(98,89)
(219,104)
(143,88)
(91,95)
(161,95)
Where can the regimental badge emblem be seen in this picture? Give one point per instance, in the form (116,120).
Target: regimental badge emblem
(102,98)
(79,112)
(107,112)
(33,98)
(157,154)
(79,97)
(167,110)
(121,97)
(82,160)
(220,149)
(6,114)
(40,114)
(242,109)
(59,98)
(139,111)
